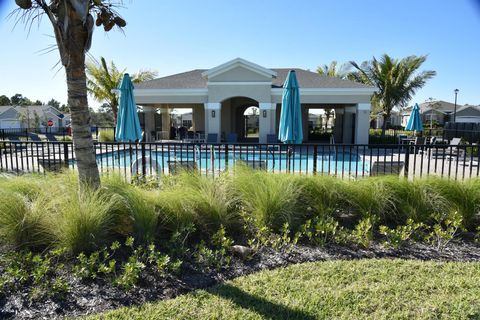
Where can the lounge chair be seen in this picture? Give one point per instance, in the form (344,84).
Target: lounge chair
(34,137)
(16,142)
(253,164)
(449,151)
(51,137)
(176,166)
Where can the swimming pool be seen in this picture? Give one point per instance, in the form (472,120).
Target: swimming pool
(330,162)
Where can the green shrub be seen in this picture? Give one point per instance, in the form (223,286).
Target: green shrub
(461,196)
(136,214)
(79,221)
(189,198)
(19,226)
(323,194)
(371,196)
(271,200)
(106,135)
(401,234)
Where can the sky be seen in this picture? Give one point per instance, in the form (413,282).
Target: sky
(180,35)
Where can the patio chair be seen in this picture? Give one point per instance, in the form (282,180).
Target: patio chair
(272,138)
(418,145)
(232,137)
(212,138)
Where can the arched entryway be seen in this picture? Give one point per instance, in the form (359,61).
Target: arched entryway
(240,115)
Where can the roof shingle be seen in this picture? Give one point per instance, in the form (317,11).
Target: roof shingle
(194,80)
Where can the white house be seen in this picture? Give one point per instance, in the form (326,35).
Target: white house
(18,117)
(219,97)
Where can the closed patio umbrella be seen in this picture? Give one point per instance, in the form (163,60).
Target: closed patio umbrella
(415,121)
(290,127)
(128,125)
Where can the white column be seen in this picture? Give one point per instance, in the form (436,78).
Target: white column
(149,112)
(213,118)
(362,123)
(348,125)
(266,120)
(165,114)
(338,126)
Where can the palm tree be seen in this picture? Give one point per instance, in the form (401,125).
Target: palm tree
(103,79)
(73,24)
(396,81)
(333,70)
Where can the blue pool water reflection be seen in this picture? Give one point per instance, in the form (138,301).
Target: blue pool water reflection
(209,160)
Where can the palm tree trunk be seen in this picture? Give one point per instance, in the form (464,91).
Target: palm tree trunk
(384,126)
(82,135)
(72,52)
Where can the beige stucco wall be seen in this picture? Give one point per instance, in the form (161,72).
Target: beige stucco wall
(239,74)
(219,93)
(327,99)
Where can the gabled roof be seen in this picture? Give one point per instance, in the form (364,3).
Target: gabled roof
(194,80)
(439,106)
(238,62)
(40,110)
(3,109)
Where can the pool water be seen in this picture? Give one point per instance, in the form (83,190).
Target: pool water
(332,162)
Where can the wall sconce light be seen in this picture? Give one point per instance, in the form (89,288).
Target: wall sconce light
(213,113)
(264,113)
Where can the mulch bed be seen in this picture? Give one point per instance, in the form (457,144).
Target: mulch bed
(94,297)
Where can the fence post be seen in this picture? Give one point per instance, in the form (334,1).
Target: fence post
(144,161)
(226,157)
(315,154)
(407,161)
(65,153)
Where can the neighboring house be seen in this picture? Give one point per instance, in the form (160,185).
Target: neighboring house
(18,117)
(219,97)
(468,114)
(437,111)
(9,118)
(395,120)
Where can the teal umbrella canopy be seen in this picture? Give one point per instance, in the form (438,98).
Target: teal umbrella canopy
(128,125)
(415,121)
(290,127)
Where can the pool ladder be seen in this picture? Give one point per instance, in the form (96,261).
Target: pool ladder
(332,142)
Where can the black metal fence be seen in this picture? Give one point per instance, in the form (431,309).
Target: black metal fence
(59,132)
(157,159)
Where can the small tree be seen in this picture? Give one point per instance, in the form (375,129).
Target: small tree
(396,81)
(103,79)
(73,24)
(4,101)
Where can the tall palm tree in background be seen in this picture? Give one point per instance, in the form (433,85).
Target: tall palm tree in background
(333,70)
(396,81)
(73,24)
(103,79)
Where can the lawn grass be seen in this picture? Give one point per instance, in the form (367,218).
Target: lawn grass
(361,289)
